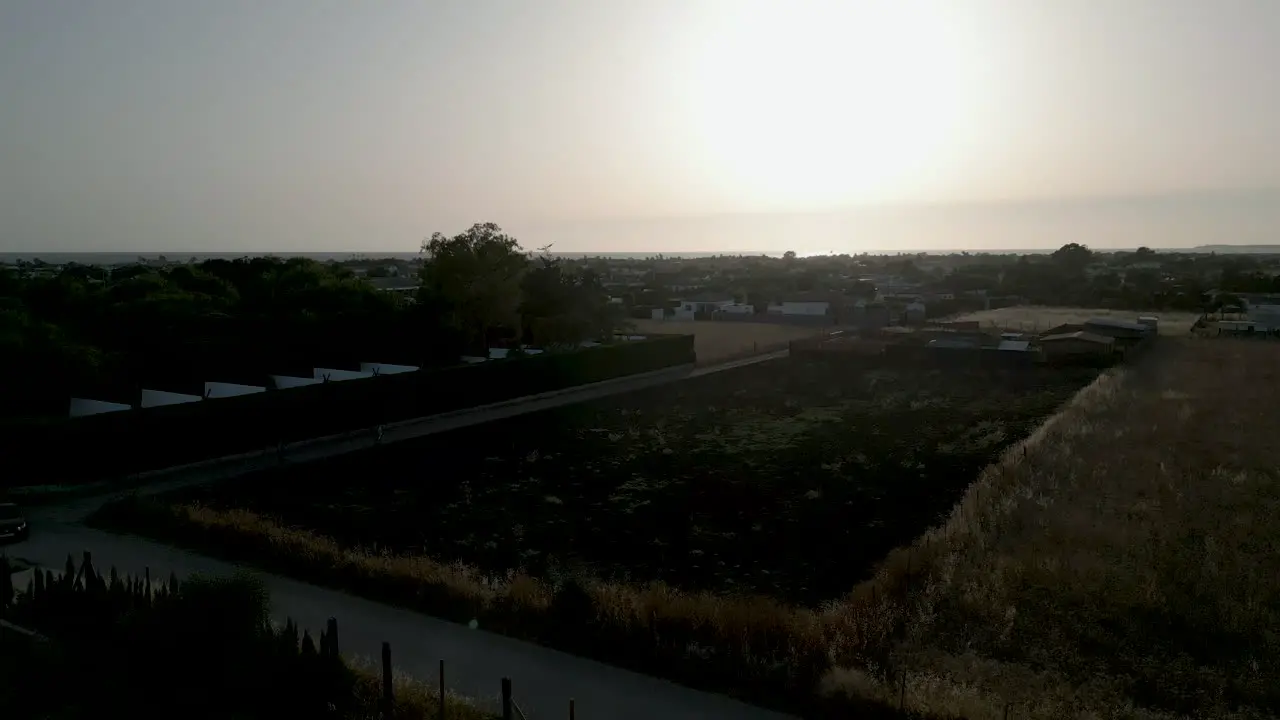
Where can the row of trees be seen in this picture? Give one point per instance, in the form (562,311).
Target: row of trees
(481,286)
(106,332)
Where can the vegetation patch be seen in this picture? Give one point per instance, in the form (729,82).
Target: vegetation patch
(577,525)
(1124,566)
(128,647)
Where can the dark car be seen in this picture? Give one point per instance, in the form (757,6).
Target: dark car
(13,523)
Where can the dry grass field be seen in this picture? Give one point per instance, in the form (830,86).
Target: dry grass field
(1121,562)
(719,341)
(1037,317)
(1123,565)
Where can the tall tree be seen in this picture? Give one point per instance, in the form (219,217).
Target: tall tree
(471,281)
(1073,257)
(565,305)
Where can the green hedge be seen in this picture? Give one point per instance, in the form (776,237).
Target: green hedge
(113,444)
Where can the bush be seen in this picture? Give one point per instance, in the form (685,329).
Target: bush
(204,648)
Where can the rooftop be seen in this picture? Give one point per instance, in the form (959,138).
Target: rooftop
(1117,324)
(1079,335)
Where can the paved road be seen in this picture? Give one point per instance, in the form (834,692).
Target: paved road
(475,661)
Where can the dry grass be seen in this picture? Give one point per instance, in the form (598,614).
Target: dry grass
(414,699)
(720,341)
(1037,317)
(1125,566)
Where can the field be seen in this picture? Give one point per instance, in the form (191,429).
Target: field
(718,341)
(708,531)
(716,484)
(1125,566)
(1038,318)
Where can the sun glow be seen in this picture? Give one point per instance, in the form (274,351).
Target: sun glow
(804,105)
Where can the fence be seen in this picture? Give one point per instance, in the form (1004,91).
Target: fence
(78,603)
(121,443)
(755,349)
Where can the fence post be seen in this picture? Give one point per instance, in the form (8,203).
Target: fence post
(441,689)
(332,632)
(506,700)
(1006,710)
(387,696)
(571,709)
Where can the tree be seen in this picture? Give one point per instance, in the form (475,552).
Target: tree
(472,282)
(789,256)
(1073,257)
(563,306)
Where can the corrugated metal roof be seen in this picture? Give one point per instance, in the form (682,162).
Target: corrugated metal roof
(1079,335)
(1014,345)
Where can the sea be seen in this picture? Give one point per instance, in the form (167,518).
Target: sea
(127,258)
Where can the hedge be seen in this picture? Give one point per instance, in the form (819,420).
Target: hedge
(112,444)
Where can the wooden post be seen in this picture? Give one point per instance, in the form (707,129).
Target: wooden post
(332,632)
(387,696)
(506,700)
(442,689)
(571,709)
(1006,710)
(902,694)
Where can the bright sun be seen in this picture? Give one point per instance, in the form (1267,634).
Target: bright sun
(817,104)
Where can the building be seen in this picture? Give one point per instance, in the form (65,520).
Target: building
(915,312)
(1014,345)
(1264,317)
(705,303)
(1118,329)
(802,304)
(1078,343)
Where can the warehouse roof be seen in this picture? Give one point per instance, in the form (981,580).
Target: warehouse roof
(1079,335)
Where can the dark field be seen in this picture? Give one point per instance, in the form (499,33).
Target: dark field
(788,478)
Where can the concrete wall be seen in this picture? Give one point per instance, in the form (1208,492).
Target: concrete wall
(779,319)
(336,375)
(157,398)
(386,368)
(284,382)
(214,390)
(804,308)
(84,406)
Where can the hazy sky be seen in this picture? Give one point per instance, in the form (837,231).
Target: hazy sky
(649,124)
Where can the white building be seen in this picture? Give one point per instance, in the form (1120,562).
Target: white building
(801,305)
(706,303)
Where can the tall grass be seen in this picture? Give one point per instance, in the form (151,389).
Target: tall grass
(1123,565)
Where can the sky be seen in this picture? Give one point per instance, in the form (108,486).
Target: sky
(659,125)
